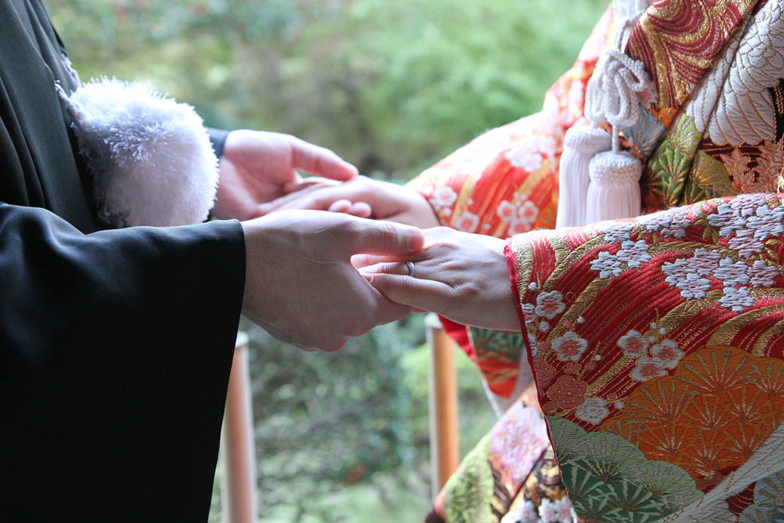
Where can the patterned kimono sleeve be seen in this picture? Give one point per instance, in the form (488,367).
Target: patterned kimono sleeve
(506,181)
(657,345)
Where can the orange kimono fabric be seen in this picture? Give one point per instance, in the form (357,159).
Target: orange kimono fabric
(658,349)
(642,334)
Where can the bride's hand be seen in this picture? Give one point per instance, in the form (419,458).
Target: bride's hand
(360,196)
(463,277)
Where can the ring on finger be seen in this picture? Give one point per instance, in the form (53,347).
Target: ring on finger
(410,266)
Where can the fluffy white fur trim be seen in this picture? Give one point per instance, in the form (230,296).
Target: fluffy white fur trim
(150,157)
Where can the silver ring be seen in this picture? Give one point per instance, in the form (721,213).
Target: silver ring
(410,266)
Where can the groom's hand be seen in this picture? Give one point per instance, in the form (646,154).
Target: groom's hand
(300,284)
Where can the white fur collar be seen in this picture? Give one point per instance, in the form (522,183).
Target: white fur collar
(150,157)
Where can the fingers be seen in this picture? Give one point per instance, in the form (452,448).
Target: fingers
(413,292)
(303,198)
(358,209)
(320,161)
(379,237)
(402,268)
(304,183)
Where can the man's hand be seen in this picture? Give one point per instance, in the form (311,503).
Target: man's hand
(462,276)
(360,196)
(300,284)
(256,165)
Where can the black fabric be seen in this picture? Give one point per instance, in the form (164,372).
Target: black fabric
(116,349)
(218,140)
(116,345)
(39,168)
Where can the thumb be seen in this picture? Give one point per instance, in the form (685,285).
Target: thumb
(321,162)
(380,237)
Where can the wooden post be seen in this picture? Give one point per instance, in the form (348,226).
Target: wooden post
(444,450)
(238,454)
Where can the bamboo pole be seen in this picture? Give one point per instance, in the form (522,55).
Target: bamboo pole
(238,482)
(444,450)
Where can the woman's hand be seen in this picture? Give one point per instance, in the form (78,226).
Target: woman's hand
(463,277)
(256,166)
(360,196)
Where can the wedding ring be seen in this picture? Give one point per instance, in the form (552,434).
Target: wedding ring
(410,266)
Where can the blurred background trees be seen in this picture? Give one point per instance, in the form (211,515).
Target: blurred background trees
(392,86)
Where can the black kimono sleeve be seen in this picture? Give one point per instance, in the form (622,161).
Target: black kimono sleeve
(115,346)
(115,352)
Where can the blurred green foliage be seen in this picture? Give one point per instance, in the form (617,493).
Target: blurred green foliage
(392,86)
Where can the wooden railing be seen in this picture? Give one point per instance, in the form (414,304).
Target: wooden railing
(444,449)
(238,456)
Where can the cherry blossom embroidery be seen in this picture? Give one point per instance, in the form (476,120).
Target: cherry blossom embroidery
(767,222)
(444,196)
(547,511)
(676,271)
(527,513)
(693,287)
(746,204)
(607,265)
(517,441)
(745,243)
(726,220)
(567,392)
(634,253)
(736,299)
(704,261)
(533,345)
(506,211)
(668,352)
(762,274)
(732,274)
(617,232)
(593,410)
(524,158)
(668,223)
(559,511)
(467,222)
(648,368)
(528,312)
(544,372)
(678,224)
(569,347)
(525,218)
(655,221)
(549,304)
(633,345)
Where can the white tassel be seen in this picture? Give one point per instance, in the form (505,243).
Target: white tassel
(581,143)
(150,157)
(614,191)
(615,93)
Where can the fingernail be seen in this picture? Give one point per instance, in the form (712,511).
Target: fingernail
(416,240)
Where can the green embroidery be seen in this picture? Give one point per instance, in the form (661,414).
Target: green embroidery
(469,492)
(709,179)
(669,167)
(508,344)
(609,479)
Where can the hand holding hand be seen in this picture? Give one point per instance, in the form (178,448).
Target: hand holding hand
(463,277)
(360,196)
(256,165)
(300,284)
